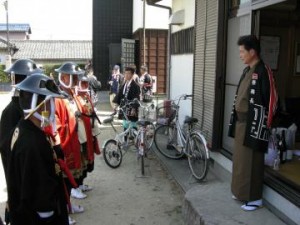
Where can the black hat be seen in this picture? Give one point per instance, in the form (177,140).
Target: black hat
(70,68)
(24,67)
(41,84)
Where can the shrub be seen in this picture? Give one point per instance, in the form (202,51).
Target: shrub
(3,76)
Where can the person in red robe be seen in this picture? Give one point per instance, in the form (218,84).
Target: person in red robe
(69,128)
(90,121)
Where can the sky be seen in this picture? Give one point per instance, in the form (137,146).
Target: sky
(52,19)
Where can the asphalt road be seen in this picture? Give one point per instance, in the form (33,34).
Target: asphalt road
(120,196)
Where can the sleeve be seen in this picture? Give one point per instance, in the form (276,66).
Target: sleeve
(265,88)
(118,97)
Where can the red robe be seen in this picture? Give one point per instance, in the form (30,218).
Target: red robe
(66,127)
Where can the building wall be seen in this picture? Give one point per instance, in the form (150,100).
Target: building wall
(181,81)
(156,53)
(155,18)
(189,13)
(112,21)
(15,35)
(182,65)
(3,53)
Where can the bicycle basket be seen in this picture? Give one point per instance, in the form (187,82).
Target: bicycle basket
(147,97)
(165,114)
(147,113)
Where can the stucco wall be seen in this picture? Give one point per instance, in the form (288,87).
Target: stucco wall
(156,18)
(181,81)
(189,13)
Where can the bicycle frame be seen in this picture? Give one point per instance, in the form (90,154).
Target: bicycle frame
(181,137)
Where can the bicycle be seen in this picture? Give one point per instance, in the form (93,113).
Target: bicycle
(174,141)
(142,140)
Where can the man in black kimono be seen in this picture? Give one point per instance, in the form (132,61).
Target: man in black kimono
(129,91)
(36,193)
(254,106)
(13,113)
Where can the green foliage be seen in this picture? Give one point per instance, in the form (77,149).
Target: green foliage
(4,78)
(51,69)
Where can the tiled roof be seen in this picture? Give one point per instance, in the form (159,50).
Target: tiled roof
(16,27)
(53,49)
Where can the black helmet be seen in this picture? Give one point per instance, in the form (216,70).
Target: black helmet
(40,84)
(70,68)
(24,67)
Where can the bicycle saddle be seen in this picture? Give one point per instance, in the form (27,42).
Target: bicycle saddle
(143,123)
(190,120)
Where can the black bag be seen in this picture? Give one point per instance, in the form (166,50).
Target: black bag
(130,111)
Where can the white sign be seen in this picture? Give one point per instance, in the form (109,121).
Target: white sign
(154,84)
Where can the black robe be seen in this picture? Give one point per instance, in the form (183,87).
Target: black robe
(10,117)
(34,181)
(132,92)
(262,103)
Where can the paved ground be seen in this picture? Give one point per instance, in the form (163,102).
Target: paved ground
(120,197)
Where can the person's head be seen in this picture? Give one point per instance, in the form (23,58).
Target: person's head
(249,47)
(144,69)
(68,74)
(22,68)
(129,71)
(116,69)
(34,90)
(133,67)
(83,84)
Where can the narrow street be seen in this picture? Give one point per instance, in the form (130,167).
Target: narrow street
(120,196)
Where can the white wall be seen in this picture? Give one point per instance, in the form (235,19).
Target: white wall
(189,13)
(181,81)
(156,18)
(181,73)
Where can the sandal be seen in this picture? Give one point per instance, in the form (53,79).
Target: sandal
(250,207)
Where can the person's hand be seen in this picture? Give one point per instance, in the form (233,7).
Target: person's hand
(110,83)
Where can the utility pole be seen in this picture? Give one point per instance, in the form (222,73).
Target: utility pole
(144,32)
(7,28)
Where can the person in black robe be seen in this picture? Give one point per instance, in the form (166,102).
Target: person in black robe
(129,91)
(36,193)
(13,113)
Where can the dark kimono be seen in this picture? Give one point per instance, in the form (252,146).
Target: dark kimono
(249,127)
(34,179)
(10,117)
(129,92)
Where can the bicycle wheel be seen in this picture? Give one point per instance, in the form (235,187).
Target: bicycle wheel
(150,131)
(197,156)
(141,151)
(148,138)
(112,154)
(165,139)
